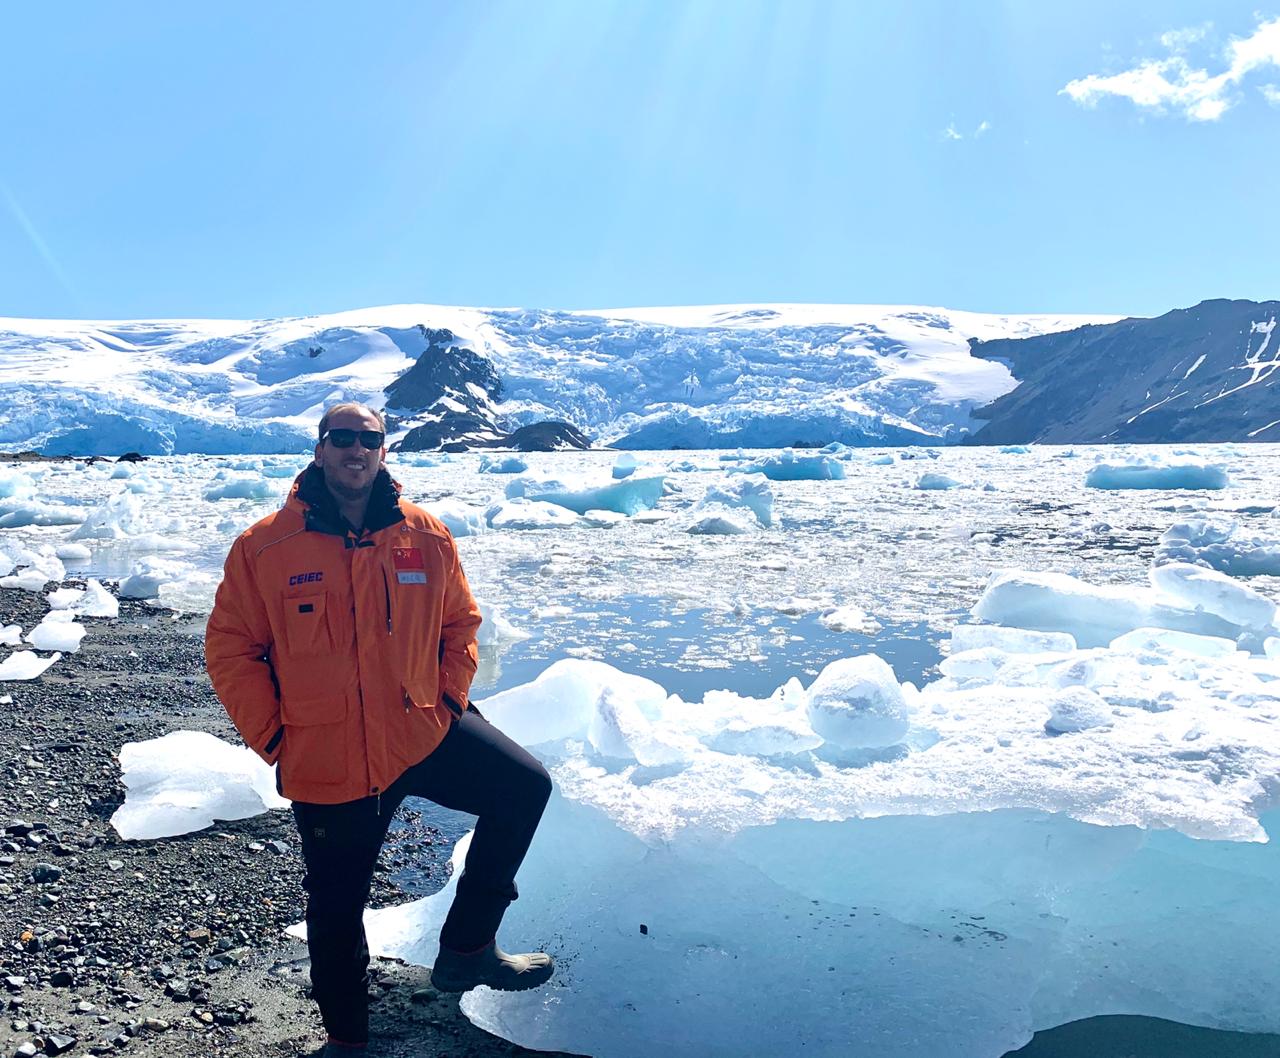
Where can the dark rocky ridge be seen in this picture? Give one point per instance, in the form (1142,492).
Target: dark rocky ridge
(441,387)
(1178,377)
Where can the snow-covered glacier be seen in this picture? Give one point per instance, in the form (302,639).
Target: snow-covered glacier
(707,377)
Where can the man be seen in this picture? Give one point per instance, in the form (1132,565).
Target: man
(343,644)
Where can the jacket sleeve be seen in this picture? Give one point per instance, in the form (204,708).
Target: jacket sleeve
(236,645)
(458,654)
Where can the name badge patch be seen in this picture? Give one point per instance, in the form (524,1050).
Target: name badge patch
(409,564)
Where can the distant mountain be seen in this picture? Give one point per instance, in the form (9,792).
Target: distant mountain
(1208,373)
(701,377)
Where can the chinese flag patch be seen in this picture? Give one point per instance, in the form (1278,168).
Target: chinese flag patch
(410,566)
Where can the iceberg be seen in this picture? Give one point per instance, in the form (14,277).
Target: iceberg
(1157,473)
(243,488)
(504,465)
(1028,855)
(749,491)
(1224,547)
(1210,592)
(856,703)
(581,493)
(723,522)
(787,466)
(57,635)
(1094,614)
(933,480)
(185,780)
(25,665)
(520,513)
(460,518)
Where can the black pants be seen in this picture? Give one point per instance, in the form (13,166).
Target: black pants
(476,769)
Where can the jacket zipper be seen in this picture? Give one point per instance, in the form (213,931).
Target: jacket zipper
(386,588)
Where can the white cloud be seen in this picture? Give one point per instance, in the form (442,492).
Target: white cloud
(1174,84)
(1179,40)
(951,133)
(1271,93)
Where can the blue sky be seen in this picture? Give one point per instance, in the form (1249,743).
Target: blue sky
(283,159)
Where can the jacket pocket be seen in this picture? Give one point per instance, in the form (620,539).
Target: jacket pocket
(423,693)
(315,746)
(306,628)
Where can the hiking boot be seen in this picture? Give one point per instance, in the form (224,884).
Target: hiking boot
(455,972)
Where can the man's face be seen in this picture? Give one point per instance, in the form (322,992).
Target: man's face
(349,472)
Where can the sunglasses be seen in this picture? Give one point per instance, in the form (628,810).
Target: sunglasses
(340,438)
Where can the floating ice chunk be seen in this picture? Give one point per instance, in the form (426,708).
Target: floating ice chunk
(1009,640)
(981,663)
(185,780)
(582,493)
(932,480)
(15,483)
(143,582)
(856,703)
(563,701)
(244,488)
(849,619)
(503,465)
(460,518)
(1211,592)
(15,514)
(32,580)
(1224,547)
(1077,709)
(64,598)
(1271,647)
(10,635)
(121,516)
(97,602)
(25,665)
(1156,473)
(1094,614)
(787,466)
(520,513)
(603,519)
(881,460)
(1014,449)
(1165,640)
(619,729)
(624,466)
(74,552)
(751,491)
(495,628)
(52,634)
(36,568)
(281,470)
(723,522)
(122,470)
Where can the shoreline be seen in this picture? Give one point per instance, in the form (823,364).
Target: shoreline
(172,947)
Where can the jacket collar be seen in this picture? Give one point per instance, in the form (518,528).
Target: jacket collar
(311,498)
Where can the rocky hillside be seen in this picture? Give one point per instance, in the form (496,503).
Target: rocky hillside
(1208,373)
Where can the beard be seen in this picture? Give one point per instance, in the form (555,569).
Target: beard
(346,493)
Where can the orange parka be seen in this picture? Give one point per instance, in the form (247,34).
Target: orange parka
(342,656)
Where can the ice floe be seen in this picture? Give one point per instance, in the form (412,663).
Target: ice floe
(185,780)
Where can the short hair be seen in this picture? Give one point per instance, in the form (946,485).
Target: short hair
(349,405)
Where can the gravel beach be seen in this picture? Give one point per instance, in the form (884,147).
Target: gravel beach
(173,947)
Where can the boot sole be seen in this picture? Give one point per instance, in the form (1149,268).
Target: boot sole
(510,984)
